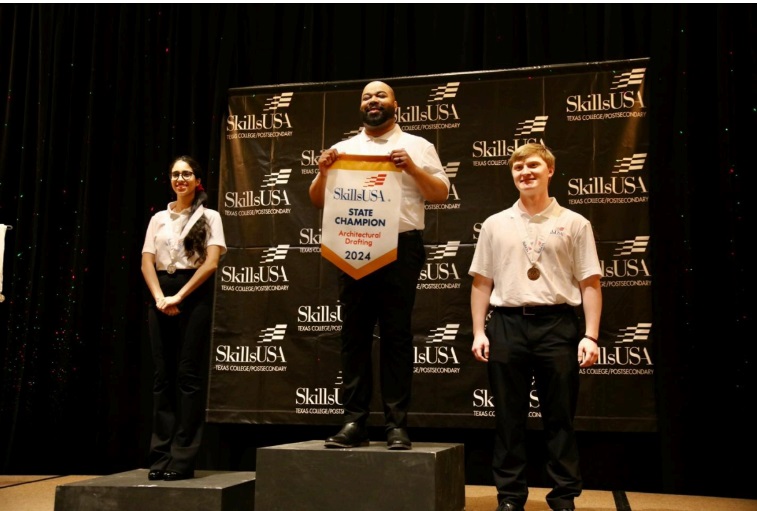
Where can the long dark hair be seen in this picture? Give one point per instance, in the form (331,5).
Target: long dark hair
(196,239)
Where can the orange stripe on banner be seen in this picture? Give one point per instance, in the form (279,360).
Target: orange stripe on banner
(366,163)
(358,273)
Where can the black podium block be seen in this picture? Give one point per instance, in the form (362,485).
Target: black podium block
(132,491)
(307,476)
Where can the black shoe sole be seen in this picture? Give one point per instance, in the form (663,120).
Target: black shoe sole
(399,447)
(178,477)
(342,445)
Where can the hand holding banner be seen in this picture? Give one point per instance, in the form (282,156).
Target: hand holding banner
(361,213)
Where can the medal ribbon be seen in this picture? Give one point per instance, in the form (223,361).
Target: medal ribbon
(536,246)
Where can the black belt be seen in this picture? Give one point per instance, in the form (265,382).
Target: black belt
(535,310)
(414,232)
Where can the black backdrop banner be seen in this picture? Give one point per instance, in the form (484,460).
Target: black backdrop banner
(275,347)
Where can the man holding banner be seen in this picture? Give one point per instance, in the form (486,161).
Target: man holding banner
(372,188)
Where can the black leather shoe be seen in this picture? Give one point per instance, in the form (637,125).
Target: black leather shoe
(506,506)
(352,434)
(565,509)
(156,475)
(172,475)
(397,440)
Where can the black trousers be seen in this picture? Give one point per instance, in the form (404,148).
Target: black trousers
(180,358)
(385,297)
(542,348)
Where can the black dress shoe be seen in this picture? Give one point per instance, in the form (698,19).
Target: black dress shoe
(172,475)
(156,475)
(352,434)
(506,506)
(397,440)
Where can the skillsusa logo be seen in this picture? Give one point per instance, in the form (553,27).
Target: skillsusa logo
(632,77)
(309,161)
(267,355)
(628,356)
(277,253)
(530,126)
(437,356)
(632,163)
(622,99)
(440,272)
(270,123)
(320,400)
(483,403)
(637,332)
(624,263)
(497,152)
(438,112)
(624,184)
(310,240)
(277,177)
(635,246)
(275,333)
(319,318)
(270,199)
(449,249)
(444,92)
(282,100)
(269,275)
(374,181)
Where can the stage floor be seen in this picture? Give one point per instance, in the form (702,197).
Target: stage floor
(37,493)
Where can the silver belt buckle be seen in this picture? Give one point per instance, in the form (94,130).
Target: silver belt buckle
(525,307)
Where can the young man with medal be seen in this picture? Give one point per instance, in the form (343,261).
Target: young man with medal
(534,262)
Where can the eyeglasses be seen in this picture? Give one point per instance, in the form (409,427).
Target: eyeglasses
(186,175)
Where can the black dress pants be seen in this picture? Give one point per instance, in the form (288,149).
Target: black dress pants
(385,297)
(541,348)
(180,358)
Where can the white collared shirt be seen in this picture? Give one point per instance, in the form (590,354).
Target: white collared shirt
(166,232)
(569,256)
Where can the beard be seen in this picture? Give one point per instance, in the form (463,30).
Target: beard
(378,118)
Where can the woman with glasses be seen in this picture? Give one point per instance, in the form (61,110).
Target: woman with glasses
(183,246)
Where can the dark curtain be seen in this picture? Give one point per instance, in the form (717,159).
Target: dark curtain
(100,98)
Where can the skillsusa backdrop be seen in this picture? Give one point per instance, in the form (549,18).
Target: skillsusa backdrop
(275,347)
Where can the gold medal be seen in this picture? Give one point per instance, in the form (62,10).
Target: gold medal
(533,273)
(172,268)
